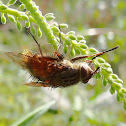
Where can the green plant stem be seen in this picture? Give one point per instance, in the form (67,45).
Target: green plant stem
(12,12)
(19,14)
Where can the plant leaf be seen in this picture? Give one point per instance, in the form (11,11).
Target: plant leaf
(33,116)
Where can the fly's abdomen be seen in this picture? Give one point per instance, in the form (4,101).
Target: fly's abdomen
(66,77)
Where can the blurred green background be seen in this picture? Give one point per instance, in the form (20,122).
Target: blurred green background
(103,24)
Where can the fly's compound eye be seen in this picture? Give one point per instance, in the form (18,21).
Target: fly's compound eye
(86,73)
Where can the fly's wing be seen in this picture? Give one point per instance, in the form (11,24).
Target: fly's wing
(17,58)
(39,67)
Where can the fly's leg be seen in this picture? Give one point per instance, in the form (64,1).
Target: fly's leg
(94,56)
(96,71)
(35,41)
(39,84)
(56,53)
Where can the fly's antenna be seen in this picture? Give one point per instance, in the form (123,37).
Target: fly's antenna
(101,53)
(35,41)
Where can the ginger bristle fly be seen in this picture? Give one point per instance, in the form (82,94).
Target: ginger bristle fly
(56,71)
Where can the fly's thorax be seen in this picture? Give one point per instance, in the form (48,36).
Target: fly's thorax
(67,63)
(90,64)
(79,65)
